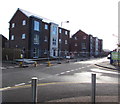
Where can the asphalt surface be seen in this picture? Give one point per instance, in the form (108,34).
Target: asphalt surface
(60,81)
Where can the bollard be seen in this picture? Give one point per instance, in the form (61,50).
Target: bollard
(35,64)
(20,64)
(34,89)
(49,64)
(93,94)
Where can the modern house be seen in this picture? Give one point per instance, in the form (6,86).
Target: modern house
(84,45)
(35,36)
(80,44)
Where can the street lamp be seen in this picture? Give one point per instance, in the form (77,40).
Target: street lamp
(60,48)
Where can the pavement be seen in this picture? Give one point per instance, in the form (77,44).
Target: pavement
(107,65)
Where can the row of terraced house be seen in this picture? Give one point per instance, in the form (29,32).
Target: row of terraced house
(39,37)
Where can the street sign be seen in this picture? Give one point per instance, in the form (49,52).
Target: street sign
(115,55)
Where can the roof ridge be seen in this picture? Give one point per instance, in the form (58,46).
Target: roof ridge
(28,14)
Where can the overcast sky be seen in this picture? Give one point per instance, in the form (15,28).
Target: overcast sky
(96,17)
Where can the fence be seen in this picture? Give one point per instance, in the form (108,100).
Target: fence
(10,54)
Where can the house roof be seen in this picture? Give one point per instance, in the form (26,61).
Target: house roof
(29,14)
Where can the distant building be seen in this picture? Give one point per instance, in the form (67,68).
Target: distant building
(36,36)
(80,44)
(84,45)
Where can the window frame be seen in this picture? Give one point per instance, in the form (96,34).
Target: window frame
(12,37)
(46,27)
(24,22)
(36,25)
(23,36)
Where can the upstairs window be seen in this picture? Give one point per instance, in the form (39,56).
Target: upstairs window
(59,40)
(46,39)
(75,38)
(46,26)
(84,37)
(36,26)
(65,41)
(66,32)
(54,31)
(60,30)
(76,44)
(54,41)
(36,39)
(24,22)
(13,25)
(12,37)
(23,36)
(83,45)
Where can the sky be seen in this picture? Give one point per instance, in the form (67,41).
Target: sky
(96,17)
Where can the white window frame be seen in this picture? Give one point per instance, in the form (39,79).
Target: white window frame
(23,36)
(60,30)
(60,40)
(36,26)
(66,32)
(75,38)
(46,26)
(24,22)
(12,37)
(13,25)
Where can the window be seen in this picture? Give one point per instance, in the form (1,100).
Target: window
(84,37)
(60,30)
(66,32)
(54,41)
(59,40)
(45,51)
(65,41)
(23,36)
(36,26)
(46,26)
(12,37)
(83,45)
(54,30)
(36,39)
(75,38)
(46,39)
(13,25)
(24,22)
(75,44)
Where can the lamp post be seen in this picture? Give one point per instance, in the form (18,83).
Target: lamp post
(60,42)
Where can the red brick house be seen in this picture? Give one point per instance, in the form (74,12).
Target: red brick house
(80,44)
(36,36)
(84,45)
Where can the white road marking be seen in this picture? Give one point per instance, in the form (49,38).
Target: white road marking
(62,73)
(29,81)
(57,74)
(4,88)
(20,84)
(10,67)
(67,71)
(41,78)
(71,70)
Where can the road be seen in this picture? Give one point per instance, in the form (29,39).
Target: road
(59,81)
